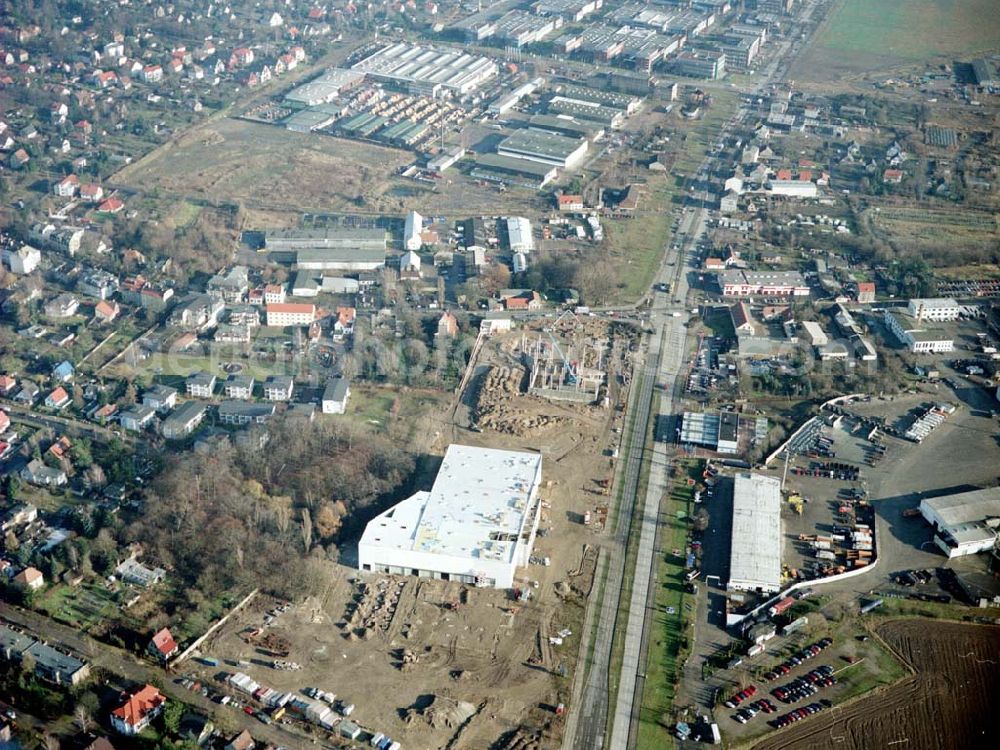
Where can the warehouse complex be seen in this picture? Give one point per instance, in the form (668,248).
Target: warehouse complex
(966,523)
(719,431)
(916,336)
(476,525)
(544,148)
(755,557)
(427,71)
(325,88)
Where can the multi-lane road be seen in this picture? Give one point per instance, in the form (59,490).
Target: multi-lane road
(590,719)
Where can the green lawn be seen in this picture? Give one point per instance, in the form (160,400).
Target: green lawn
(81,607)
(667,629)
(637,244)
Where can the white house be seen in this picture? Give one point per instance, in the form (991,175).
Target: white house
(278,388)
(290,314)
(137,417)
(24,260)
(409,264)
(335,396)
(412,230)
(137,711)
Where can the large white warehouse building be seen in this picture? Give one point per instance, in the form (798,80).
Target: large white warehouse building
(476,525)
(965,523)
(755,557)
(428,71)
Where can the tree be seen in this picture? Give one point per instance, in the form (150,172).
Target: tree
(94,476)
(28,664)
(495,277)
(701,519)
(173,712)
(81,717)
(307,530)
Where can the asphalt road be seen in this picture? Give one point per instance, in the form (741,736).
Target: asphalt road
(671,359)
(592,712)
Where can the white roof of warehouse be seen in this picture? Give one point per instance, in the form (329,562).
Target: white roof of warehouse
(519,233)
(755,560)
(476,508)
(965,507)
(700,428)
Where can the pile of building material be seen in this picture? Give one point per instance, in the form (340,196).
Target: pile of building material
(442,713)
(373,608)
(925,424)
(495,409)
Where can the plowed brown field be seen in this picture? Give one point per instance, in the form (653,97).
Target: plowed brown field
(949,704)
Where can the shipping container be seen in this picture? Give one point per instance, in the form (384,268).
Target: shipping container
(781,606)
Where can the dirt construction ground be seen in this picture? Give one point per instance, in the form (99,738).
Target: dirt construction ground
(945,705)
(438,664)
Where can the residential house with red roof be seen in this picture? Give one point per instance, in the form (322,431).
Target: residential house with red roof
(111,206)
(106,311)
(138,711)
(162,645)
(152,73)
(8,384)
(569,203)
(18,159)
(67,187)
(344,324)
(91,192)
(58,399)
(866,291)
(30,579)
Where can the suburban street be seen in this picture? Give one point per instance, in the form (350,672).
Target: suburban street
(116,661)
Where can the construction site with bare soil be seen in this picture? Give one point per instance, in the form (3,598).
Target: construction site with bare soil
(438,663)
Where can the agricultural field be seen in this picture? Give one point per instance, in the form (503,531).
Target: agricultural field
(945,703)
(859,36)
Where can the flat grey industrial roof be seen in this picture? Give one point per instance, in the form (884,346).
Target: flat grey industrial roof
(755,558)
(519,166)
(551,123)
(345,254)
(339,235)
(325,86)
(540,142)
(728,426)
(965,507)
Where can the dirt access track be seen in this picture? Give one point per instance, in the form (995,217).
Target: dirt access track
(945,704)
